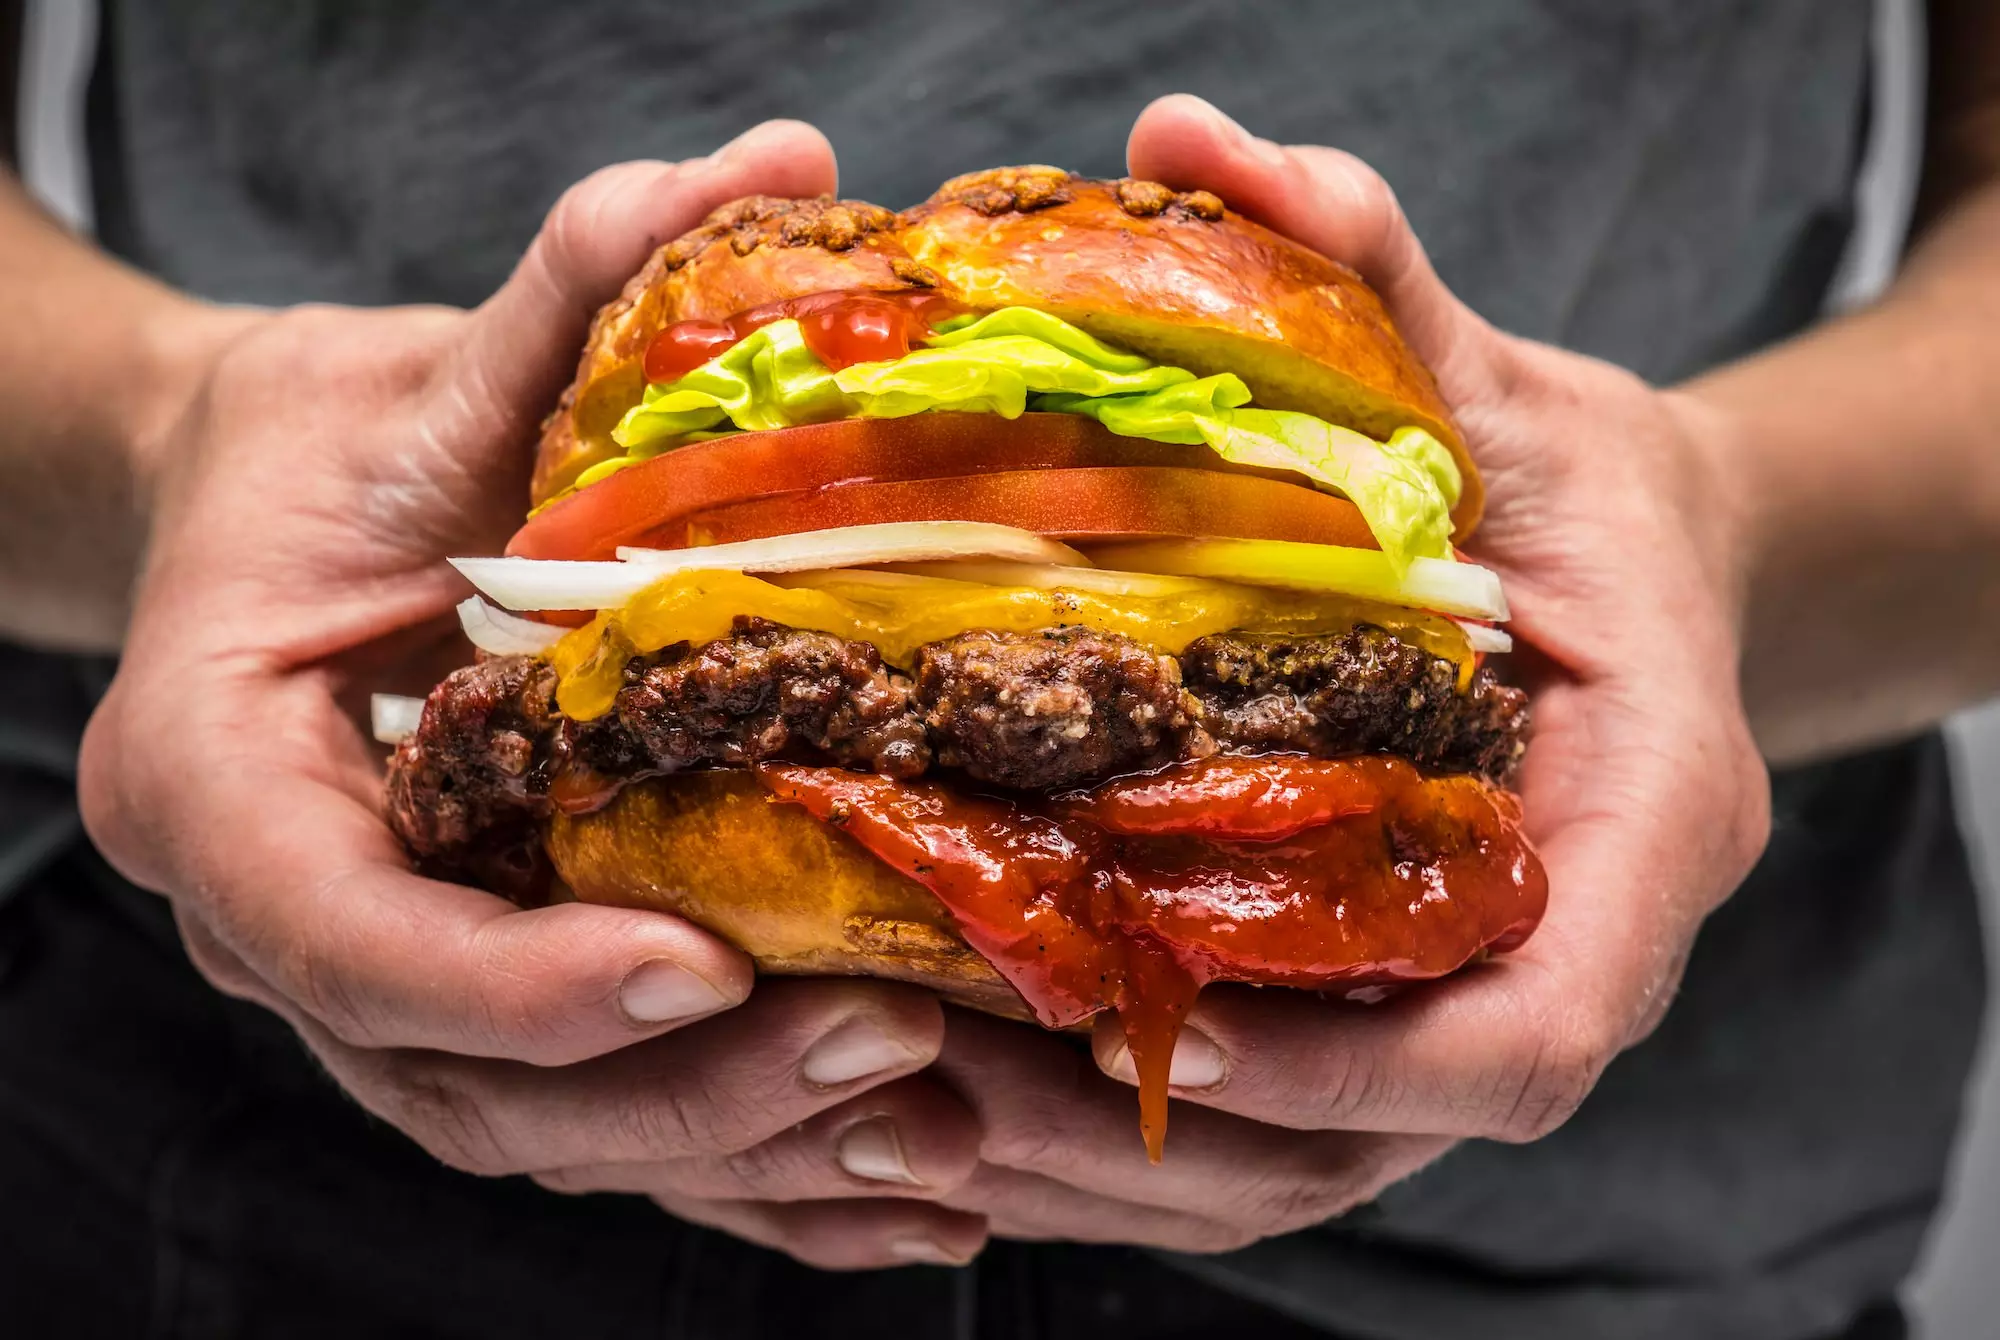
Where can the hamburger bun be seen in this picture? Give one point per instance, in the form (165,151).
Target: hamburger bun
(1173,275)
(798,896)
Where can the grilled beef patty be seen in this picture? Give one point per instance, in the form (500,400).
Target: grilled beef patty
(1035,712)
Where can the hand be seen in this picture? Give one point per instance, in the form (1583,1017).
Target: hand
(1608,518)
(326,463)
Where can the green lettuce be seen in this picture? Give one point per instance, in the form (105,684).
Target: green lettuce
(1019,359)
(1404,488)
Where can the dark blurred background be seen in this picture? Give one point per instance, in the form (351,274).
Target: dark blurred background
(1956,1294)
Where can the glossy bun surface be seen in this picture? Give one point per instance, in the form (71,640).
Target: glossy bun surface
(1174,275)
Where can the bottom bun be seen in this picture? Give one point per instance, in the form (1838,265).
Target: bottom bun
(796,895)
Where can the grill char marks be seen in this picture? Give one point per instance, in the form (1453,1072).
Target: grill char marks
(1054,709)
(1362,691)
(467,789)
(767,691)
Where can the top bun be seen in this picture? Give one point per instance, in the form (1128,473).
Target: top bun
(1173,275)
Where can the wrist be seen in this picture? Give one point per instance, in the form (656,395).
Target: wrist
(177,341)
(1725,516)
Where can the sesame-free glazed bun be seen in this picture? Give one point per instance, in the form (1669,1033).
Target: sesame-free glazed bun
(795,894)
(1171,274)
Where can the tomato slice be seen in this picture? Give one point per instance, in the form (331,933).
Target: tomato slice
(1082,505)
(639,505)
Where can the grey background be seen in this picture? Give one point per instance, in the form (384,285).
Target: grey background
(1956,1292)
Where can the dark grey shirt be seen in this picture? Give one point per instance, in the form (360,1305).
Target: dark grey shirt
(1664,183)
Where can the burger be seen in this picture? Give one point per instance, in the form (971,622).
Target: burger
(1047,595)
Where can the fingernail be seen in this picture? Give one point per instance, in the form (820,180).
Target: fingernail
(1261,149)
(922,1251)
(1198,1063)
(661,990)
(870,1149)
(856,1048)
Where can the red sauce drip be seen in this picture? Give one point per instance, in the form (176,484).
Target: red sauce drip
(1133,895)
(841,328)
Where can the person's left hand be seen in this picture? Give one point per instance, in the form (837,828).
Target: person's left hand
(1609,519)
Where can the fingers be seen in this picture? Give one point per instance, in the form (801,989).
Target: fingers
(1329,200)
(1046,1111)
(1032,1208)
(296,874)
(712,1091)
(844,1234)
(1506,1049)
(523,342)
(909,1138)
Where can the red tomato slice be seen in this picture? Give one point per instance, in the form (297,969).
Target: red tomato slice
(639,505)
(1086,504)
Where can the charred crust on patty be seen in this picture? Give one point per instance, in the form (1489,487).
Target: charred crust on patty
(1037,711)
(1362,691)
(766,691)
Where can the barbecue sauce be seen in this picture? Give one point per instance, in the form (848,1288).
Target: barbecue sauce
(1135,894)
(841,328)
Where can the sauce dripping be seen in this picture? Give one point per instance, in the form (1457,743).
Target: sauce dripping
(1134,895)
(841,328)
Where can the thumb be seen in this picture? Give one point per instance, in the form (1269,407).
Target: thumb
(1327,199)
(522,343)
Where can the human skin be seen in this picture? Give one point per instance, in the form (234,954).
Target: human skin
(300,475)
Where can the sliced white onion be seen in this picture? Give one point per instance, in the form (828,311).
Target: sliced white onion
(550,584)
(1054,576)
(393,717)
(1430,583)
(1483,638)
(887,579)
(504,634)
(853,546)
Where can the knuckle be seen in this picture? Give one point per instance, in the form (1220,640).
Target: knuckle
(1560,1073)
(568,1181)
(681,1116)
(771,1165)
(1285,1200)
(1211,1238)
(321,987)
(1751,831)
(100,795)
(218,966)
(1033,1137)
(567,227)
(1347,1082)
(449,1119)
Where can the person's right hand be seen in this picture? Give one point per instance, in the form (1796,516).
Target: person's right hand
(316,475)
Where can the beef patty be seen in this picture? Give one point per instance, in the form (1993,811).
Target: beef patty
(1052,709)
(1359,692)
(1037,712)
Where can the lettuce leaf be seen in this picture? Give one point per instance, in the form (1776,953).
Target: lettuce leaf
(1017,359)
(1405,488)
(768,379)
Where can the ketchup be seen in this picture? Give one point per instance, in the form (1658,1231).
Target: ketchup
(1134,895)
(841,328)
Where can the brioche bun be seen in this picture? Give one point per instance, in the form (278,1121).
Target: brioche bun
(1173,275)
(797,895)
